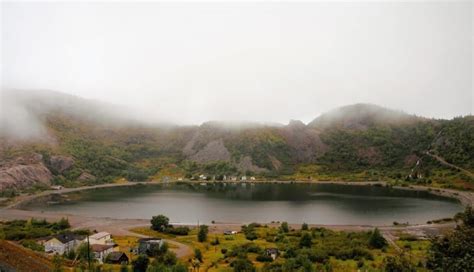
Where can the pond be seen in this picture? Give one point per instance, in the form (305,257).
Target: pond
(330,204)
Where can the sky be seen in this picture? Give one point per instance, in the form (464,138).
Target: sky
(265,62)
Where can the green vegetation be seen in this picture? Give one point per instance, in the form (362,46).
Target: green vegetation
(161,223)
(455,251)
(31,229)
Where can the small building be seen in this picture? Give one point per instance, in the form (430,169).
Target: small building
(272,252)
(101,238)
(62,243)
(148,245)
(101,251)
(230,232)
(117,257)
(57,187)
(252,178)
(244,178)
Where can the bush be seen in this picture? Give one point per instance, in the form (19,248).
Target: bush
(243,265)
(264,258)
(159,223)
(31,244)
(202,234)
(198,254)
(376,239)
(284,227)
(140,264)
(181,231)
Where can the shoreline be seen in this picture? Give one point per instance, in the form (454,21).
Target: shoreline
(122,226)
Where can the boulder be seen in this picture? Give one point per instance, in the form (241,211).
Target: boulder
(86,176)
(61,163)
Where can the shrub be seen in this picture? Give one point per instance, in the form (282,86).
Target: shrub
(159,222)
(202,234)
(376,239)
(264,258)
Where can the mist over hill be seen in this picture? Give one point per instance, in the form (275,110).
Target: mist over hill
(55,138)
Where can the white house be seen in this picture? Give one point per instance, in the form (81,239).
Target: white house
(62,243)
(101,251)
(101,238)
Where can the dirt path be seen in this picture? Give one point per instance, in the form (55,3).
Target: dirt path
(444,162)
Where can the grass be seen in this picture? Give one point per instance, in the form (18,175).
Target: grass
(215,261)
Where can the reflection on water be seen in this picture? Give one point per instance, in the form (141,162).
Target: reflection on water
(244,203)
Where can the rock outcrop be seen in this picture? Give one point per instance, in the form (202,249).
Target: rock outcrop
(86,177)
(24,172)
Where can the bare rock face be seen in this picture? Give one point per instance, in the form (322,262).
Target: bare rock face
(246,164)
(61,163)
(86,176)
(213,151)
(23,172)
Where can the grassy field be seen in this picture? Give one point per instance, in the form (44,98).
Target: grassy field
(331,244)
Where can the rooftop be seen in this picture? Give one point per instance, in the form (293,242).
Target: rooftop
(99,235)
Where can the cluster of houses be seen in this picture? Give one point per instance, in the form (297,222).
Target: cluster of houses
(225,178)
(101,244)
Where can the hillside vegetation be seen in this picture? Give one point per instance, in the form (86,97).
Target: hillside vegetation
(356,142)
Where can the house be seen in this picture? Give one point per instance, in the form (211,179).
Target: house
(62,243)
(57,187)
(101,251)
(252,178)
(101,238)
(272,252)
(148,245)
(230,232)
(117,257)
(202,177)
(244,178)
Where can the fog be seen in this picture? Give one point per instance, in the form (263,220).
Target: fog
(261,62)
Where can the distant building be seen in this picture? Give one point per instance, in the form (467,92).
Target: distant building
(101,251)
(148,245)
(230,232)
(101,238)
(272,252)
(117,257)
(244,178)
(57,187)
(62,243)
(252,178)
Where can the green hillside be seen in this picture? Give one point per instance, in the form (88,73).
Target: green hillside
(358,142)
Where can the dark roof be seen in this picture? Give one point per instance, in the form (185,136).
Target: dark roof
(144,240)
(271,250)
(67,237)
(116,256)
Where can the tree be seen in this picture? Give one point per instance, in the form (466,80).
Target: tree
(284,227)
(202,234)
(243,265)
(198,254)
(454,251)
(304,226)
(159,222)
(82,252)
(140,264)
(306,240)
(376,239)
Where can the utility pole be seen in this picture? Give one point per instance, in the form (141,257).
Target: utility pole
(88,254)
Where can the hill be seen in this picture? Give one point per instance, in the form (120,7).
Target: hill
(76,141)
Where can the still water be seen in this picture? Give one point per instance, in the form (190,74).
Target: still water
(245,203)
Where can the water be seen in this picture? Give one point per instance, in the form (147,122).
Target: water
(245,203)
